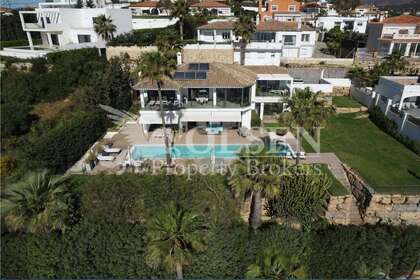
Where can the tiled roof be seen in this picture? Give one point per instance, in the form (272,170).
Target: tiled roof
(404,19)
(217,25)
(209,4)
(146,4)
(219,76)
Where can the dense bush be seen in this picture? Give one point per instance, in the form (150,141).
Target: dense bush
(391,128)
(143,37)
(362,251)
(130,198)
(50,112)
(60,146)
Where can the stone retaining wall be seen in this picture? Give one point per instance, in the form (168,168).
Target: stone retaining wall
(341,91)
(393,209)
(133,51)
(207,55)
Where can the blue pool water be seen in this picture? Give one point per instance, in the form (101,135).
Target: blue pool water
(194,151)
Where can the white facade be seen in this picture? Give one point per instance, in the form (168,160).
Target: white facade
(385,38)
(354,24)
(266,47)
(67,28)
(402,91)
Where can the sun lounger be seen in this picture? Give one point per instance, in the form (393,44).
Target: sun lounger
(105,158)
(112,150)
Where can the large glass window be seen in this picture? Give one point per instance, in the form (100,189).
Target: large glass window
(265,86)
(83,38)
(264,36)
(305,38)
(289,40)
(233,97)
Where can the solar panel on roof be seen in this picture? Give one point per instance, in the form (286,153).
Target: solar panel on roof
(193,66)
(190,75)
(179,76)
(201,75)
(204,67)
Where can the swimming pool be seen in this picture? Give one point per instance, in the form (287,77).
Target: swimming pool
(196,151)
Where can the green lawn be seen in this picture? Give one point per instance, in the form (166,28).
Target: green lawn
(345,102)
(385,164)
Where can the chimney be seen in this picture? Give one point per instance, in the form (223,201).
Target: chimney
(178,58)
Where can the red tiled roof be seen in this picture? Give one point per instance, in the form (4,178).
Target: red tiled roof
(146,4)
(209,4)
(274,25)
(217,25)
(404,19)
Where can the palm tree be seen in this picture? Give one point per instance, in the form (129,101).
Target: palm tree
(251,173)
(308,111)
(37,204)
(155,66)
(395,62)
(104,27)
(273,264)
(244,28)
(177,9)
(359,76)
(173,235)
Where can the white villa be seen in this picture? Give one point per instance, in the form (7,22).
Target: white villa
(149,7)
(205,93)
(272,41)
(354,24)
(395,33)
(66,28)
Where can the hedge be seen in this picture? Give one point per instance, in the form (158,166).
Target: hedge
(105,250)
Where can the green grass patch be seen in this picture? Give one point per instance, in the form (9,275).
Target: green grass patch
(345,102)
(336,188)
(382,161)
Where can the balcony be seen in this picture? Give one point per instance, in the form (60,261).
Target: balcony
(260,45)
(40,20)
(408,37)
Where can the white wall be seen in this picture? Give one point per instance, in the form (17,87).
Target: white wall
(328,23)
(148,23)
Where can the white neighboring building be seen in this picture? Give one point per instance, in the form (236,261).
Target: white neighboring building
(212,6)
(271,41)
(395,33)
(66,28)
(149,7)
(354,24)
(402,91)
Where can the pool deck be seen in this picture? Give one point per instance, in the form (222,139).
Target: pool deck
(132,134)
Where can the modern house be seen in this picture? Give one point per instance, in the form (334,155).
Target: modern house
(283,10)
(66,28)
(354,24)
(271,41)
(69,3)
(395,33)
(200,93)
(213,7)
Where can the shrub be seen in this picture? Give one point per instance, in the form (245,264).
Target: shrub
(302,197)
(142,37)
(255,119)
(391,128)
